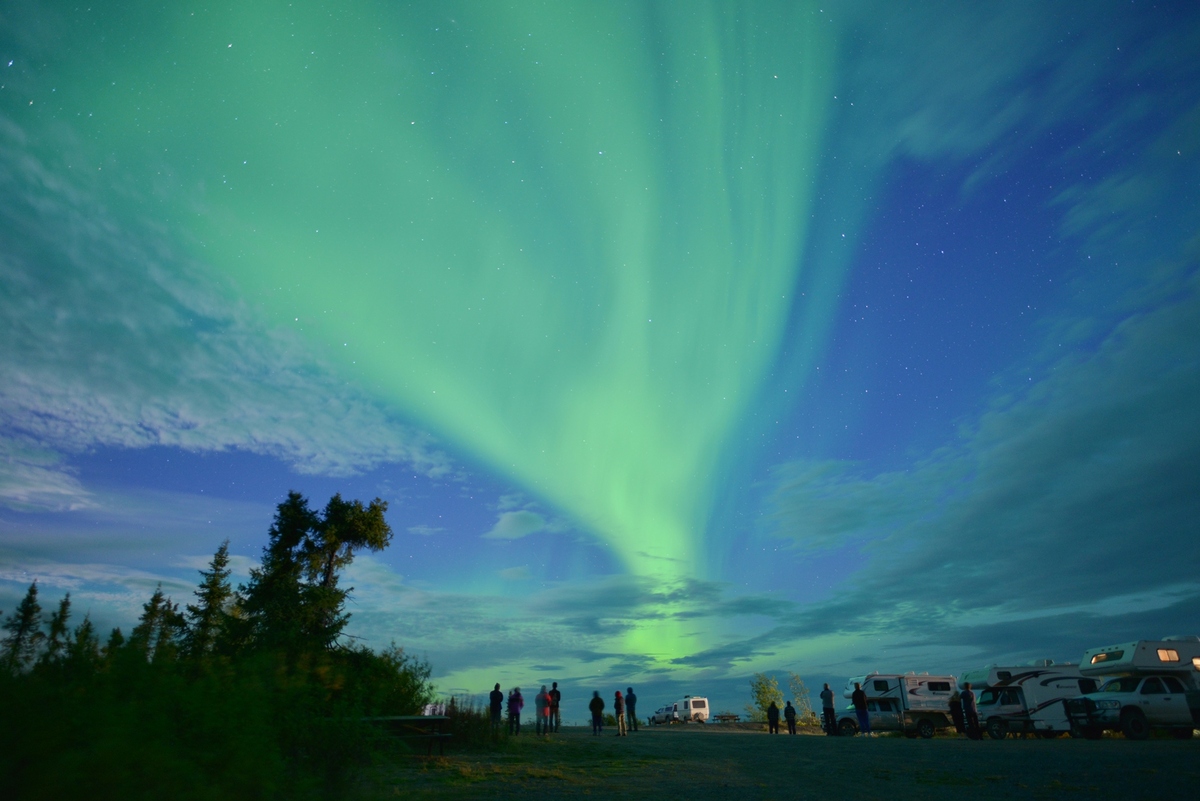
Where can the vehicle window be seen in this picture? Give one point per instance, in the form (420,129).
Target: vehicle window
(1003,674)
(880,686)
(1125,684)
(939,686)
(1108,656)
(1087,686)
(1173,685)
(698,705)
(1153,687)
(1168,655)
(872,706)
(987,698)
(1009,697)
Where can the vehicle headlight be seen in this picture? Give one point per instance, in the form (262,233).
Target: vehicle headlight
(1108,704)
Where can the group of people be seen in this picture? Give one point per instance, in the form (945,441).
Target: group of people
(548,710)
(962,711)
(789,715)
(547,705)
(624,710)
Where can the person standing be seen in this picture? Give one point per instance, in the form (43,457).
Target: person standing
(631,709)
(619,711)
(555,707)
(541,707)
(789,714)
(597,709)
(956,712)
(828,714)
(970,713)
(773,718)
(515,704)
(496,700)
(859,699)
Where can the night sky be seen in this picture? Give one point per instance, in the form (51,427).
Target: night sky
(684,339)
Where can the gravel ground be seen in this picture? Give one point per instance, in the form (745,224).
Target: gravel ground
(704,762)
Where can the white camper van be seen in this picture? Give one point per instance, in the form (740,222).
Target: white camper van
(687,709)
(912,703)
(1026,698)
(1156,684)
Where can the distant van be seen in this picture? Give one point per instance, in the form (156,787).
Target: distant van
(687,709)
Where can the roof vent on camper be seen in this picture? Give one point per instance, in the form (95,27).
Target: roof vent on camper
(1182,638)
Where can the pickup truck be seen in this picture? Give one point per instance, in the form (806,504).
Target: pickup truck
(1135,705)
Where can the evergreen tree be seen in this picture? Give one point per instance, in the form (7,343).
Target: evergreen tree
(207,617)
(25,635)
(156,636)
(116,641)
(57,643)
(293,598)
(83,650)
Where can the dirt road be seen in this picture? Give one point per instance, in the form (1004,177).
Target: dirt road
(702,762)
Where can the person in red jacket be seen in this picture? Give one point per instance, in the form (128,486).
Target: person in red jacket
(619,711)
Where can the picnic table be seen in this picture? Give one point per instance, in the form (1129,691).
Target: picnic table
(727,718)
(416,727)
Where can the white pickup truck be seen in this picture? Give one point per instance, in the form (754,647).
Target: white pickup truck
(1154,686)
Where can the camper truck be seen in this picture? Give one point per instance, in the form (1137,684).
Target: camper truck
(687,709)
(1155,684)
(912,703)
(1026,698)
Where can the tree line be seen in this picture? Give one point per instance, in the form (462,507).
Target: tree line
(244,692)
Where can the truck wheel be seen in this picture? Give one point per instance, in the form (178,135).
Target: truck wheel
(997,729)
(1133,724)
(925,728)
(1182,734)
(847,727)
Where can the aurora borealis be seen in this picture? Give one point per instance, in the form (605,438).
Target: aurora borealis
(685,339)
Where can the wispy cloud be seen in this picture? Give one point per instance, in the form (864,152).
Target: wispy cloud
(515,525)
(115,337)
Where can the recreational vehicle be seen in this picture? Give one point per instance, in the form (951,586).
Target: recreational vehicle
(1155,685)
(912,703)
(1026,698)
(687,709)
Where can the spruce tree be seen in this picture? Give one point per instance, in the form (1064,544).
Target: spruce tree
(25,635)
(156,636)
(207,617)
(56,644)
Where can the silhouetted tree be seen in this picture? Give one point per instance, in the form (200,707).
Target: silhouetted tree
(156,636)
(293,598)
(56,643)
(25,636)
(206,619)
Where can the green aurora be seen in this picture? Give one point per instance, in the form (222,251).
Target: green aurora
(564,237)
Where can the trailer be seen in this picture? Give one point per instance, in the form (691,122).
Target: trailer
(1026,698)
(911,703)
(1155,684)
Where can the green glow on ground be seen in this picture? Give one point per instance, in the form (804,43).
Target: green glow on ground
(563,237)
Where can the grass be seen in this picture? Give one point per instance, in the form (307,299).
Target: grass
(740,762)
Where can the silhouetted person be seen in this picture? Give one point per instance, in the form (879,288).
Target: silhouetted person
(619,711)
(515,704)
(859,699)
(497,704)
(555,707)
(970,713)
(631,709)
(773,719)
(541,703)
(789,714)
(828,713)
(597,708)
(956,712)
